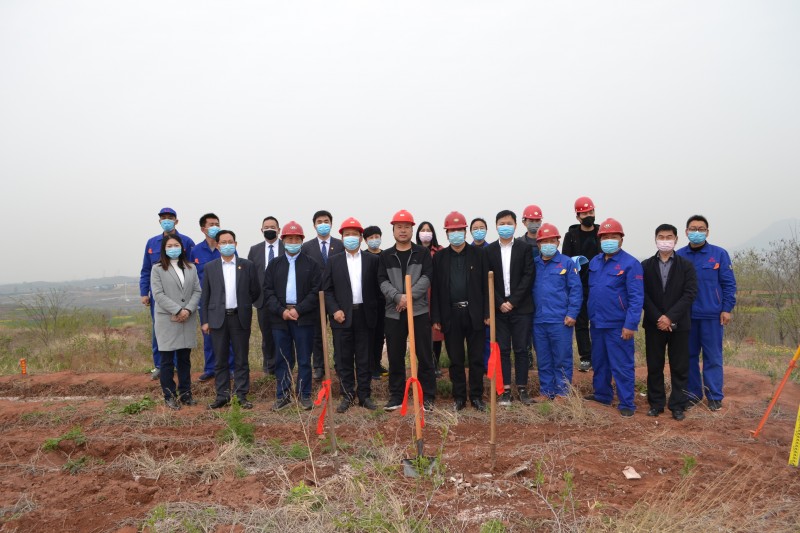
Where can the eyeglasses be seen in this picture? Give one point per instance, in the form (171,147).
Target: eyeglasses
(695,228)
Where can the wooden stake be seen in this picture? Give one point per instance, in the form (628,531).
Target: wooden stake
(492,392)
(324,326)
(413,356)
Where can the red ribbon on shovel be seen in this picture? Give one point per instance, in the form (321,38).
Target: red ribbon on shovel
(323,395)
(404,407)
(495,367)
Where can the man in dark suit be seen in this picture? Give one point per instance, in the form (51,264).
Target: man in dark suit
(291,295)
(670,287)
(460,308)
(230,285)
(512,263)
(351,300)
(261,255)
(319,249)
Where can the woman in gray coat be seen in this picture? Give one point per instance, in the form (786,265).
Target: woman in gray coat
(176,291)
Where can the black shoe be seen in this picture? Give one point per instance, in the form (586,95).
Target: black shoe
(383,371)
(438,372)
(626,413)
(367,403)
(188,400)
(585,366)
(654,412)
(715,405)
(376,376)
(691,403)
(172,403)
(678,415)
(318,373)
(427,406)
(219,404)
(244,404)
(205,376)
(505,398)
(306,403)
(459,404)
(281,403)
(344,405)
(524,398)
(393,405)
(593,398)
(478,404)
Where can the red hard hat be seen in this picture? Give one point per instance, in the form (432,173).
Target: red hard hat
(403,216)
(292,228)
(610,225)
(583,204)
(351,223)
(532,212)
(547,231)
(455,220)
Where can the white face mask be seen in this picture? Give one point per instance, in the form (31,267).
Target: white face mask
(665,246)
(426,236)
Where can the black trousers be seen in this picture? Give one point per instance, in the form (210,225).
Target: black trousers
(582,337)
(460,332)
(267,342)
(513,330)
(396,337)
(234,335)
(376,339)
(656,343)
(184,390)
(352,351)
(317,354)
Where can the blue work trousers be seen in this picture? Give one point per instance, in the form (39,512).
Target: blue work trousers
(705,335)
(553,343)
(299,339)
(612,357)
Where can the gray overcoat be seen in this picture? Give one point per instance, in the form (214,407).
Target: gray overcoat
(170,297)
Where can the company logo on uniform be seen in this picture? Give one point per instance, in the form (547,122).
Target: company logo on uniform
(149,250)
(197,260)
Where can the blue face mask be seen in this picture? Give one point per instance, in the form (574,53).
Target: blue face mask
(697,237)
(548,250)
(167,225)
(610,246)
(292,248)
(213,230)
(227,249)
(324,229)
(505,232)
(374,244)
(351,243)
(173,253)
(456,238)
(479,234)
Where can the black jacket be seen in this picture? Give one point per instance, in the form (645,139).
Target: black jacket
(339,292)
(522,275)
(213,295)
(572,247)
(256,255)
(308,279)
(477,287)
(676,300)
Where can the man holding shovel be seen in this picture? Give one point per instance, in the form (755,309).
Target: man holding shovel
(401,259)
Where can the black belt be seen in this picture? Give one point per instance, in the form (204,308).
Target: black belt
(233,311)
(356,306)
(459,305)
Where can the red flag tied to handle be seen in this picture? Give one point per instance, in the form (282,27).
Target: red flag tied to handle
(404,408)
(495,367)
(323,395)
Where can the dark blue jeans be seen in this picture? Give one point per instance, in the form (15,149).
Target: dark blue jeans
(287,341)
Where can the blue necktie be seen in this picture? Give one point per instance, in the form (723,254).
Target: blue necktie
(271,252)
(291,285)
(324,252)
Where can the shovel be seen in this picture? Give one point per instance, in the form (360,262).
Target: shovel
(420,464)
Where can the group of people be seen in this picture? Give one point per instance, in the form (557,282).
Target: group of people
(592,288)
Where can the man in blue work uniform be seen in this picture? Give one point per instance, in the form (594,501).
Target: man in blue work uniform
(711,312)
(168,219)
(557,297)
(200,255)
(616,298)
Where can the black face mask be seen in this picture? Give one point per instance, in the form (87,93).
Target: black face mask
(270,234)
(588,222)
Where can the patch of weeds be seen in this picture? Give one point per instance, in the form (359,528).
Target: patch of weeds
(544,408)
(341,445)
(134,408)
(73,466)
(493,526)
(538,477)
(304,495)
(689,464)
(75,435)
(158,514)
(240,472)
(444,388)
(298,451)
(378,414)
(640,386)
(569,487)
(236,427)
(33,416)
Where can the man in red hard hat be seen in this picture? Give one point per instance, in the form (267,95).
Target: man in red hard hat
(460,309)
(350,282)
(401,259)
(581,240)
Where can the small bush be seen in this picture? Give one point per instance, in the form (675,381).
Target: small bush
(236,427)
(493,526)
(134,408)
(75,435)
(73,466)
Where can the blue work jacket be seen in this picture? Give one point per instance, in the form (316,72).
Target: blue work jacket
(557,290)
(716,284)
(616,291)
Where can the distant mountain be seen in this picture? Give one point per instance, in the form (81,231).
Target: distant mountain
(83,284)
(783,229)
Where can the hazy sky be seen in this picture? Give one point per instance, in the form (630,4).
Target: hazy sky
(110,110)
